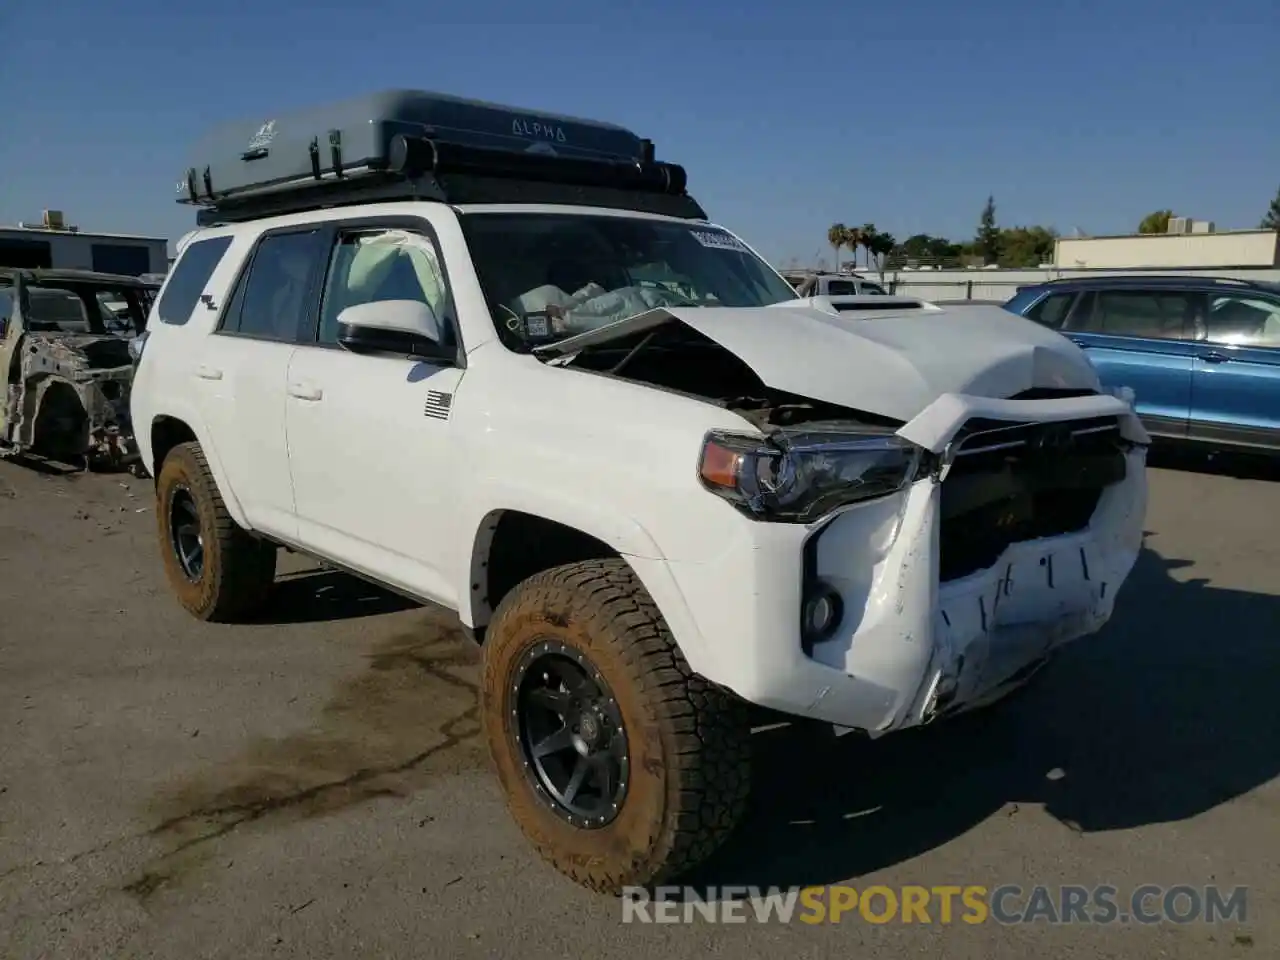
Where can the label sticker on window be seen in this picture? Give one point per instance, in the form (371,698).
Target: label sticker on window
(718,240)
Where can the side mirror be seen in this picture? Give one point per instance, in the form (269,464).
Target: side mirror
(405,328)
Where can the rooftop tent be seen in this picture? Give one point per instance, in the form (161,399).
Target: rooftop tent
(405,136)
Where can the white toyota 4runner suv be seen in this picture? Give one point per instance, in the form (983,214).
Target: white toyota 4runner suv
(504,363)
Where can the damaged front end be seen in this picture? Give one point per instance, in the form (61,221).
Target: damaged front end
(70,399)
(931,582)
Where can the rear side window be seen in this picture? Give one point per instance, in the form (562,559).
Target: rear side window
(841,288)
(1052,310)
(274,297)
(190,276)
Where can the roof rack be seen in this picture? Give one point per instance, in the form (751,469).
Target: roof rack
(448,173)
(414,145)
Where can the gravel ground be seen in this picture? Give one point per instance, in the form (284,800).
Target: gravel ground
(313,785)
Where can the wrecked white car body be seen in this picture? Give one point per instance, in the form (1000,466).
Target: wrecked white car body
(64,343)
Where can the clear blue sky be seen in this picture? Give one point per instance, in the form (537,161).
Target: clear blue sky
(789,116)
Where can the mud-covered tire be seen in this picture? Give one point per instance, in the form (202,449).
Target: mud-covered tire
(237,568)
(688,740)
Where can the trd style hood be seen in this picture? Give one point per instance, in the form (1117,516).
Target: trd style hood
(893,365)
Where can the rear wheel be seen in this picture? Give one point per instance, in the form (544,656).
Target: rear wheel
(218,571)
(620,765)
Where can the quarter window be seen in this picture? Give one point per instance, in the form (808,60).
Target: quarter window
(190,276)
(378,265)
(1052,310)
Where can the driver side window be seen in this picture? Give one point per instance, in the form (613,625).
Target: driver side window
(369,266)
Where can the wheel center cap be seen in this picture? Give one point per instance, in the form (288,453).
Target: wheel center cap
(589,728)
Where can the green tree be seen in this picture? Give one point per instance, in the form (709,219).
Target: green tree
(1272,220)
(924,248)
(878,245)
(1156,222)
(1026,246)
(987,240)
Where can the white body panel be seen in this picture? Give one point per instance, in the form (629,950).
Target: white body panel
(339,454)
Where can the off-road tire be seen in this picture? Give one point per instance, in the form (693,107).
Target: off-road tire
(688,740)
(238,569)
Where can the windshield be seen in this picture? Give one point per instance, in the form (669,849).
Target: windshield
(86,308)
(549,276)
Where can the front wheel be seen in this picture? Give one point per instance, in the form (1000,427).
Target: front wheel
(620,765)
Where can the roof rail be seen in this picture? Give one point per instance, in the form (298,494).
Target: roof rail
(1149,278)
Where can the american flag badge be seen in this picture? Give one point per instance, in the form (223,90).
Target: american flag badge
(438,404)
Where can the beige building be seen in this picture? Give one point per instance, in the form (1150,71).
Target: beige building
(1188,243)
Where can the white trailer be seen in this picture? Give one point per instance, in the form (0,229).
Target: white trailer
(52,245)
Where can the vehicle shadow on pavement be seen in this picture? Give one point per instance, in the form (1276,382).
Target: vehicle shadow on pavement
(1166,713)
(1240,466)
(315,596)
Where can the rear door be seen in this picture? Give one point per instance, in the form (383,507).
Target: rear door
(1235,391)
(1143,339)
(241,375)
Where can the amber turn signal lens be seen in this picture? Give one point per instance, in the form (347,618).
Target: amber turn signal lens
(721,466)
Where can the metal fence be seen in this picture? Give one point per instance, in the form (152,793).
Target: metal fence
(997,286)
(943,291)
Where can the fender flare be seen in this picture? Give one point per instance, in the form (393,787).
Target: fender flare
(188,415)
(615,529)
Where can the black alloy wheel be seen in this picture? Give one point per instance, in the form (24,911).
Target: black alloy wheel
(571,735)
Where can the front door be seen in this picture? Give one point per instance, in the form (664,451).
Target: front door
(1143,339)
(371,441)
(1235,391)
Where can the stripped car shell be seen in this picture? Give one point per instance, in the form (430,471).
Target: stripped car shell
(69,379)
(1000,512)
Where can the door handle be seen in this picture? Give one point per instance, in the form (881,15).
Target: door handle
(205,372)
(305,391)
(1079,343)
(1213,356)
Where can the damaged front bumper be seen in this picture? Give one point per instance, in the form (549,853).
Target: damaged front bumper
(934,619)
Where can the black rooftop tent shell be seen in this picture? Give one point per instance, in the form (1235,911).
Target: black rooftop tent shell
(413,144)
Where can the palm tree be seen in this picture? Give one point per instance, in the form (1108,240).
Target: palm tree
(853,238)
(867,234)
(838,236)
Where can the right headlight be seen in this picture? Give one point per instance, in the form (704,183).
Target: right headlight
(802,480)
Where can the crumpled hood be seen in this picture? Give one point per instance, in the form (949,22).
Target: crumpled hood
(893,365)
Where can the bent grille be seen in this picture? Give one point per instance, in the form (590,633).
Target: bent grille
(1011,482)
